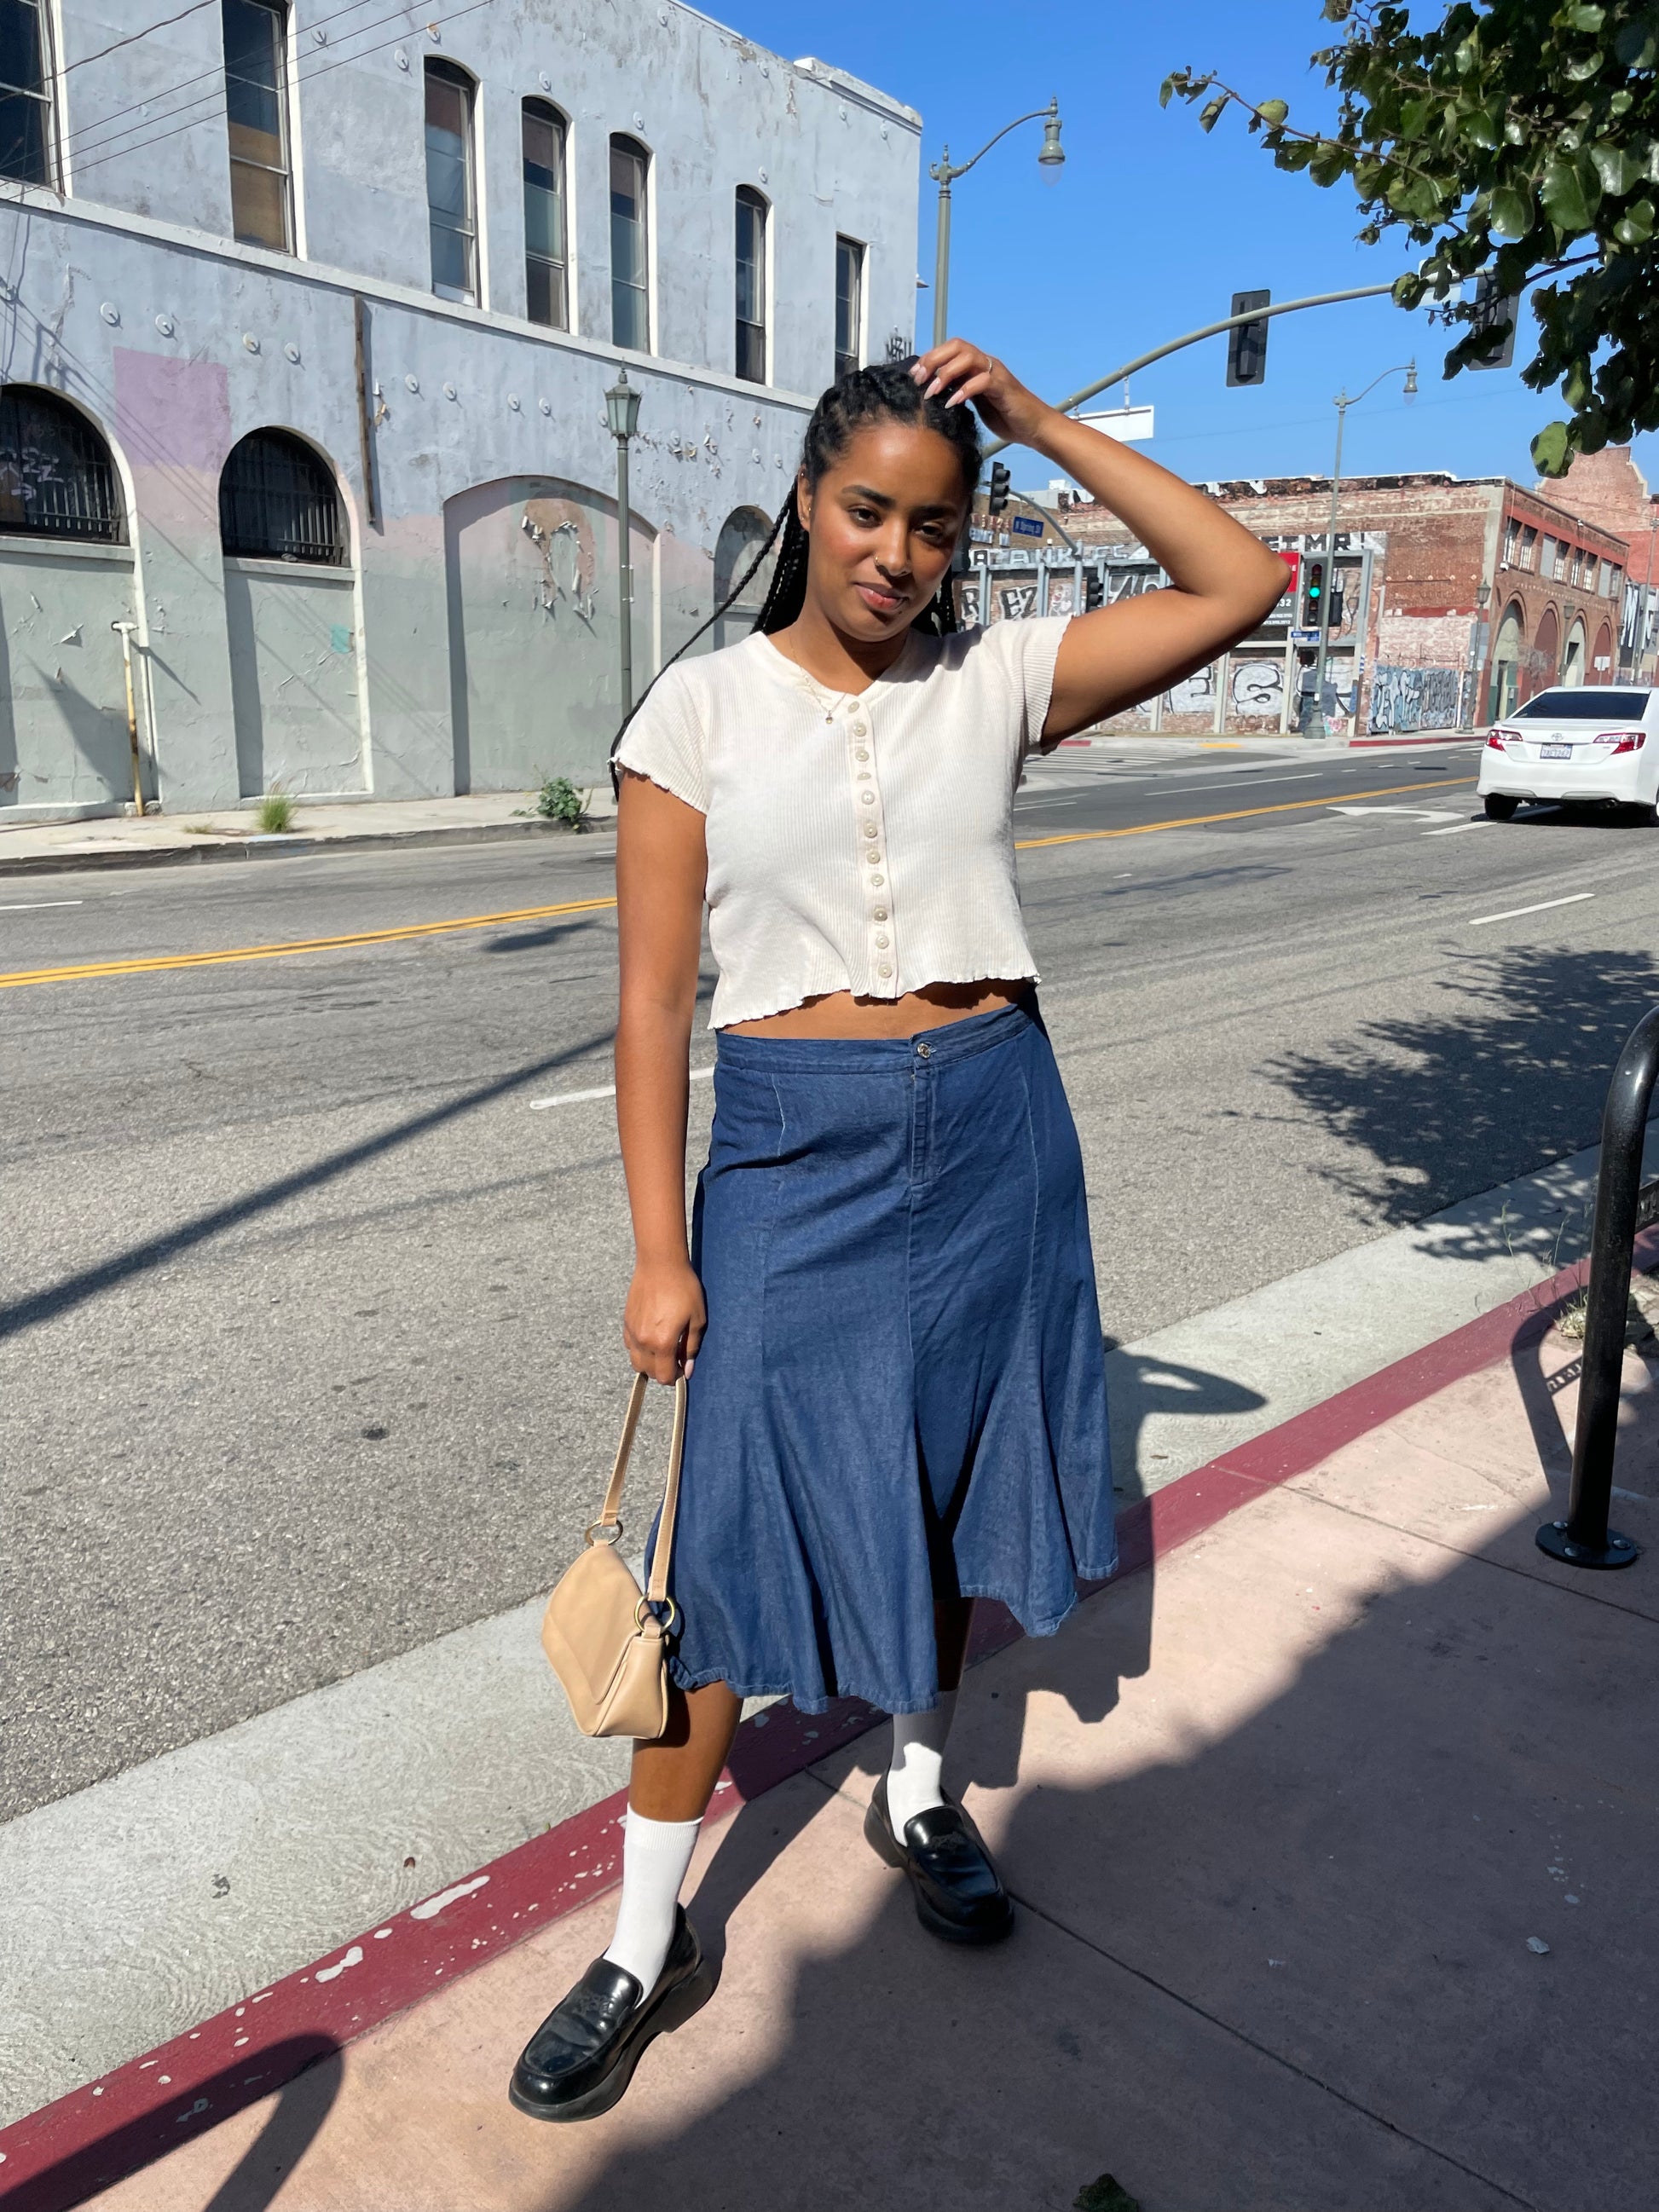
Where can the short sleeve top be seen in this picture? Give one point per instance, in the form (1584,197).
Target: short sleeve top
(856,841)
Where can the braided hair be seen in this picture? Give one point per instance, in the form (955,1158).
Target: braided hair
(883,392)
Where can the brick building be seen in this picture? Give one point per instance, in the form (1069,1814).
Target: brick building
(1459,599)
(1608,488)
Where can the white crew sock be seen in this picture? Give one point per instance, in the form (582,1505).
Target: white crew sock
(915,1771)
(655,1857)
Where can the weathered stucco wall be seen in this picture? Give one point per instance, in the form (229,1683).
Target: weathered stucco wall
(177,343)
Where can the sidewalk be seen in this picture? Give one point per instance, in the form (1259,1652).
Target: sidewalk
(1290,1812)
(160,840)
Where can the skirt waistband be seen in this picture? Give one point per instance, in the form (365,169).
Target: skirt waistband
(951,1041)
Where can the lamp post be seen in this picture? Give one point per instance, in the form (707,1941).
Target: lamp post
(1408,369)
(621,411)
(946,172)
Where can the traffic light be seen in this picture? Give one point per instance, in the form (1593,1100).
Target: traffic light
(1313,594)
(1094,589)
(1493,310)
(997,498)
(1247,344)
(1333,619)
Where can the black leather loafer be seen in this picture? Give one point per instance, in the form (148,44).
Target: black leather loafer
(580,2060)
(959,1895)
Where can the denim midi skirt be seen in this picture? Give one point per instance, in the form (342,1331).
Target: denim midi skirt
(902,1391)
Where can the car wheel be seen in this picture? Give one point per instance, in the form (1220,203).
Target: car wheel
(1500,806)
(1648,816)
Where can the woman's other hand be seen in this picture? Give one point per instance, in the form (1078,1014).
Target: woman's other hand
(1000,400)
(664,1318)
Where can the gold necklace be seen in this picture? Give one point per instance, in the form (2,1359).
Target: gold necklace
(826,698)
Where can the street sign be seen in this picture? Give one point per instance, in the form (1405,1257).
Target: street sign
(1304,637)
(1027,526)
(1130,426)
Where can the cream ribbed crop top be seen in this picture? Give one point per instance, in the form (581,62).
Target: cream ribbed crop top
(857,842)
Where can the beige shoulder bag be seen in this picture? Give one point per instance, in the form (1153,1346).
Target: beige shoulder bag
(601,1637)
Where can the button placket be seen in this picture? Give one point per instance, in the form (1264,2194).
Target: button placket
(881,958)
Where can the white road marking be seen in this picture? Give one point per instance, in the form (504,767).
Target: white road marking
(1233,782)
(604,1091)
(38,906)
(1404,813)
(1458,828)
(1542,906)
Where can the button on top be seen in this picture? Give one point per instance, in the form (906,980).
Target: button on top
(923,1051)
(876,882)
(881,944)
(886,971)
(861,754)
(859,730)
(869,828)
(881,914)
(868,797)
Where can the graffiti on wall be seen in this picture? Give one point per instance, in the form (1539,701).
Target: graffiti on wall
(1258,687)
(1421,698)
(1019,602)
(1194,695)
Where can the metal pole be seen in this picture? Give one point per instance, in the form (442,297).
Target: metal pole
(1321,725)
(127,629)
(624,579)
(942,253)
(1583,1539)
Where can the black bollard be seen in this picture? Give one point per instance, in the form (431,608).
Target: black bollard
(1583,1539)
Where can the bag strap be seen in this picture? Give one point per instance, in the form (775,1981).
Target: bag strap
(657,1588)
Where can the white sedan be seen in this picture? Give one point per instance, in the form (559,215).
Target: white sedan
(1594,746)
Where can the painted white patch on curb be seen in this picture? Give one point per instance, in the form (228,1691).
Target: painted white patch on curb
(434,1905)
(353,1957)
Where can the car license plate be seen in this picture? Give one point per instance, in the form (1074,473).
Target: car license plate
(1555,752)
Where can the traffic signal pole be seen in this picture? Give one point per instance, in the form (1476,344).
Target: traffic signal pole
(1192,337)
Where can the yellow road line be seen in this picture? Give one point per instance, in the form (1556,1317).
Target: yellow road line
(1197,821)
(92,968)
(300,944)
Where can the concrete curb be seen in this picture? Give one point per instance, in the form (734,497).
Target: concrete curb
(58,2157)
(282,848)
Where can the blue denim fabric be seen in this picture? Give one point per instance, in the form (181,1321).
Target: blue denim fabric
(902,1391)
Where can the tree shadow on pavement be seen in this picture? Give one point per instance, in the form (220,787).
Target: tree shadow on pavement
(1274,1952)
(1505,1068)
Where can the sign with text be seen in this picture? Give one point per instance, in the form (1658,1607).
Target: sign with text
(1027,526)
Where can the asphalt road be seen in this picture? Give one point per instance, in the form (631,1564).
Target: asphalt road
(308,1295)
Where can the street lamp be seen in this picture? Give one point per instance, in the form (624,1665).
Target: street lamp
(1051,158)
(1342,403)
(622,412)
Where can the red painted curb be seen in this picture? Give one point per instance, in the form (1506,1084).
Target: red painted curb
(56,2158)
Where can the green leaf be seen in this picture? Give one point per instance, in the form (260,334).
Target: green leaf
(1616,167)
(1512,211)
(1587,19)
(1551,453)
(1634,44)
(1328,162)
(1166,92)
(1581,68)
(1482,128)
(1635,226)
(1563,192)
(1336,11)
(1273,112)
(1212,112)
(1408,289)
(1414,114)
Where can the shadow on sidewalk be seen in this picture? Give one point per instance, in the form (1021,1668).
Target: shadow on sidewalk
(1505,1065)
(1273,1955)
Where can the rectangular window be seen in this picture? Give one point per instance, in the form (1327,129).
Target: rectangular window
(256,120)
(1511,541)
(1547,553)
(752,285)
(450,193)
(1577,564)
(545,289)
(25,93)
(1528,545)
(849,306)
(630,299)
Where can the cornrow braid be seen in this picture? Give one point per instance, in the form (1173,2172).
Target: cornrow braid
(883,392)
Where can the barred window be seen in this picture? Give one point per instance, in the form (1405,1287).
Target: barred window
(277,501)
(57,478)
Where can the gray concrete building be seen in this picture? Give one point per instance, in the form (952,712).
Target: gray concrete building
(308,313)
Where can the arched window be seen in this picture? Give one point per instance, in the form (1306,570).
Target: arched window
(630,262)
(742,535)
(1572,661)
(451,196)
(545,266)
(752,285)
(1506,661)
(57,479)
(277,501)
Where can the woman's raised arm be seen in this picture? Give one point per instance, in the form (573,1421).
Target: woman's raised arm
(1222,580)
(661,865)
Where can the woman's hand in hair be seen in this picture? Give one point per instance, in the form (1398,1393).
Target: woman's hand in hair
(664,1318)
(964,372)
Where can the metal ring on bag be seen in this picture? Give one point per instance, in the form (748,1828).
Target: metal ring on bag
(644,1607)
(615,1527)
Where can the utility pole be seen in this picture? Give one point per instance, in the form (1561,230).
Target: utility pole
(1322,727)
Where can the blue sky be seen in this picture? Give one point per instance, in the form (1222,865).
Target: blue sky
(1151,227)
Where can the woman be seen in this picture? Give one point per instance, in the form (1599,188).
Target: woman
(888,1304)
